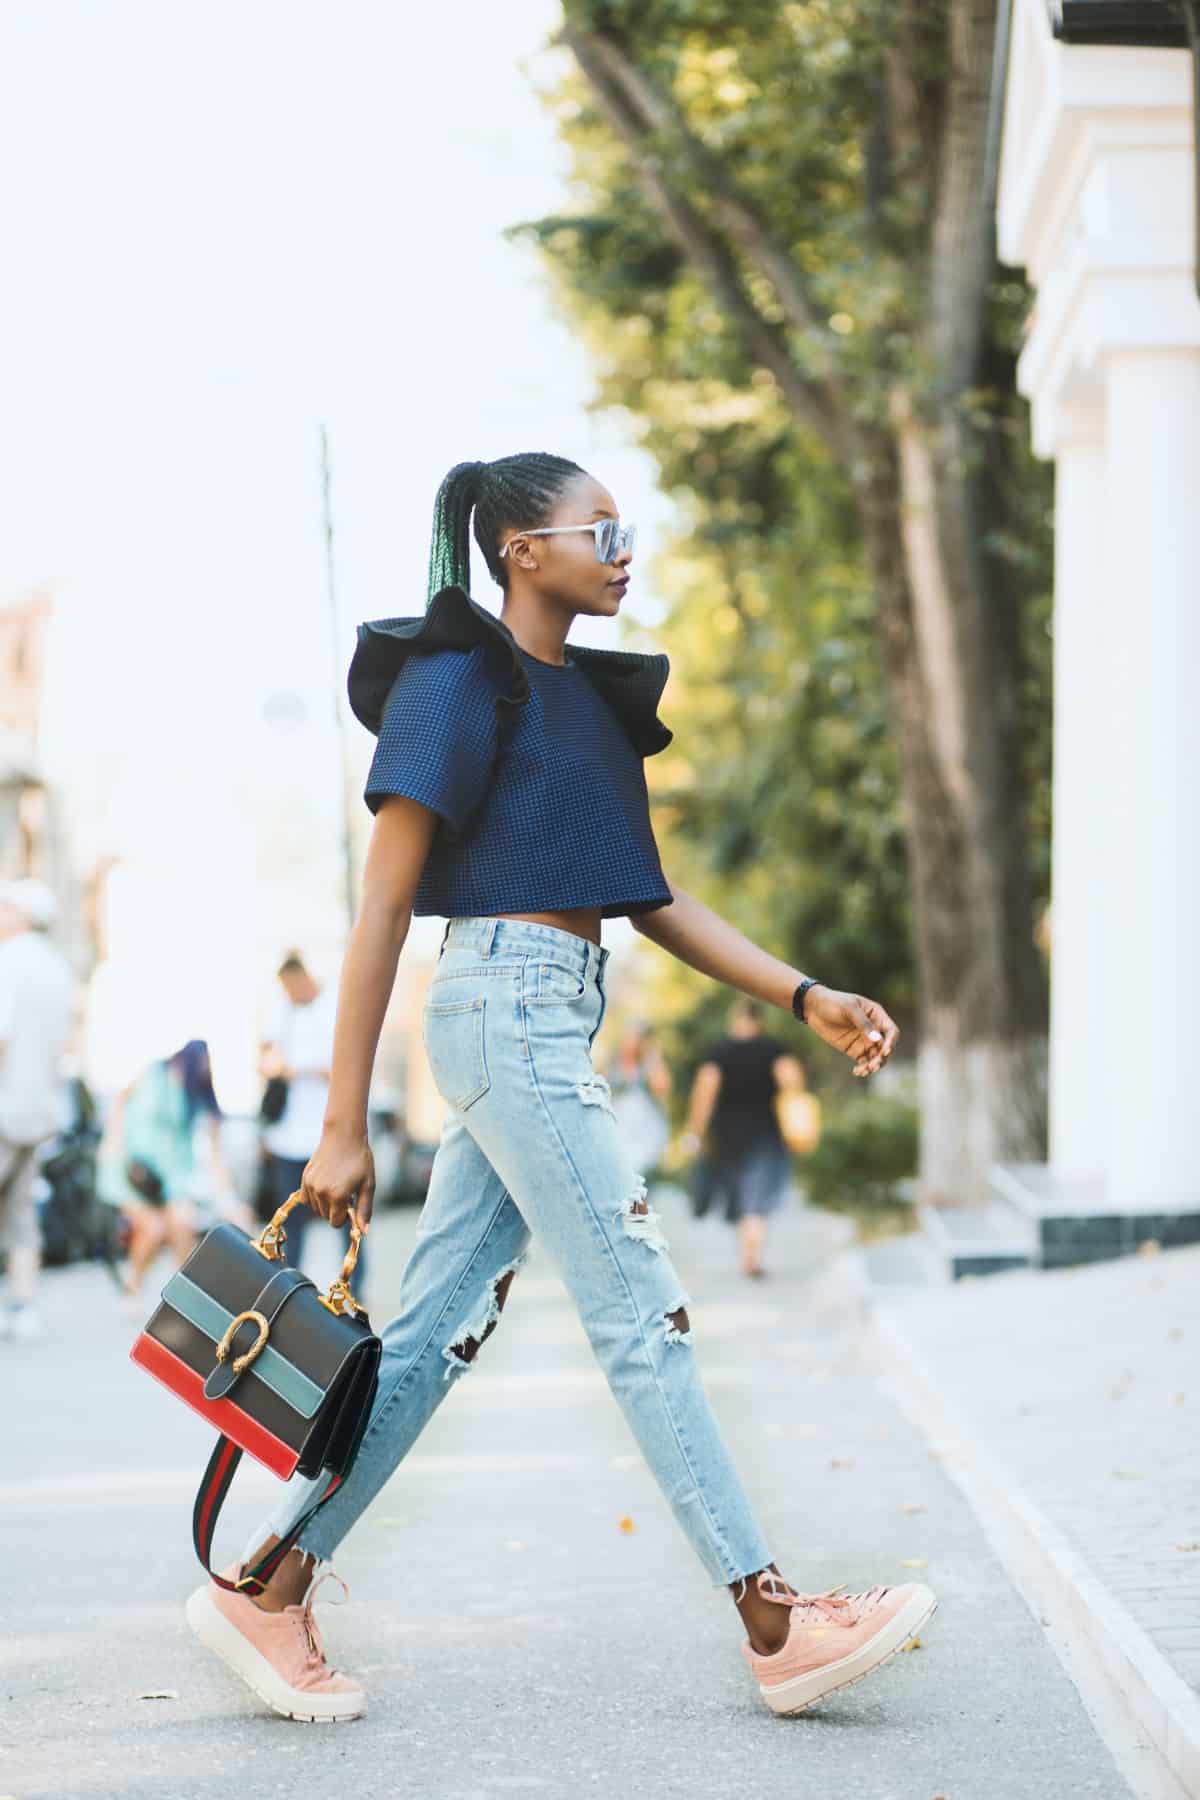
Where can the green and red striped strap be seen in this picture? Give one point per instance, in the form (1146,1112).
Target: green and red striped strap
(210,1498)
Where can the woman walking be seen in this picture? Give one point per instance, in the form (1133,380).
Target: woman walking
(749,1171)
(639,1084)
(148,1162)
(510,798)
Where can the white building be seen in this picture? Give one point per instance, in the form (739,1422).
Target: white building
(1097,202)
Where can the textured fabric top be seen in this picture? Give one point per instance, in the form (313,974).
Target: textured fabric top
(534,770)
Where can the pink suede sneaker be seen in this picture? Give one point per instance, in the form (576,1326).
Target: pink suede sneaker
(279,1655)
(834,1640)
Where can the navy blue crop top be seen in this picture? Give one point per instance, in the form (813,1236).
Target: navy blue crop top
(534,769)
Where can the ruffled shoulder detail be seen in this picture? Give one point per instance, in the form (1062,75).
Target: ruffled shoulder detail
(453,621)
(631,682)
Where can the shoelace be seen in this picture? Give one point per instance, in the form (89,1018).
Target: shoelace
(315,1660)
(834,1605)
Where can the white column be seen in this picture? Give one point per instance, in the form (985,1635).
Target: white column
(1078,870)
(1147,734)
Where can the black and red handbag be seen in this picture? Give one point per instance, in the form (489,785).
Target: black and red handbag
(283,1371)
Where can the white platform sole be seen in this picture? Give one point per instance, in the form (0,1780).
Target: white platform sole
(237,1653)
(788,1697)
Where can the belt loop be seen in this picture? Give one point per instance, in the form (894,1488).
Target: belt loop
(489,936)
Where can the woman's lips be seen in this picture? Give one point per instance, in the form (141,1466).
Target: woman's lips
(620,586)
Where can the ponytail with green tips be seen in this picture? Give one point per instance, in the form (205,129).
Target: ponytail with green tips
(513,493)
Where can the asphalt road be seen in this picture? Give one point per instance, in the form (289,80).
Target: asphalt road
(514,1639)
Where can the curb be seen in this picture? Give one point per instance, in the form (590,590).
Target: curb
(1148,1717)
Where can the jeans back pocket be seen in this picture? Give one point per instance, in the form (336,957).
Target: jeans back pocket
(452,1032)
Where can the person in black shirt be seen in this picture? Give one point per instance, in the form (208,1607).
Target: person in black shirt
(749,1169)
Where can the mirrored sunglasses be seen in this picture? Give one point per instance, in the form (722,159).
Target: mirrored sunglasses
(611,537)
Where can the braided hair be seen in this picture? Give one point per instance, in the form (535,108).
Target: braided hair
(517,491)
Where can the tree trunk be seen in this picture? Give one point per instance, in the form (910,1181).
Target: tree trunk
(950,647)
(948,613)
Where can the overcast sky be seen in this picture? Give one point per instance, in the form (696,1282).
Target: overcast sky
(222,224)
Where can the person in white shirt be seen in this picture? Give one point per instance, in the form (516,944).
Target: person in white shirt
(298,1047)
(37,1011)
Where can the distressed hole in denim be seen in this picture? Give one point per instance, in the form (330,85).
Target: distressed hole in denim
(461,1351)
(678,1326)
(595,1091)
(640,1220)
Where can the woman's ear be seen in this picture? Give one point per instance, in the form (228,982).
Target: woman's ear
(521,552)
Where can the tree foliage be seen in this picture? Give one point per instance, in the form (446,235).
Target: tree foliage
(783,786)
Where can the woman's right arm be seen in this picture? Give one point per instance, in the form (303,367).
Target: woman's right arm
(341,1172)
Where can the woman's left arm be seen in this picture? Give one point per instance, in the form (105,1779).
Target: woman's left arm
(692,932)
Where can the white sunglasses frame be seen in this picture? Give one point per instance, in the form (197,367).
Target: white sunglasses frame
(626,536)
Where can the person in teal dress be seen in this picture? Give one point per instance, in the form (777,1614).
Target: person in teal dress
(148,1162)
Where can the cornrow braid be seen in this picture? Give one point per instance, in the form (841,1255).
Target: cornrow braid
(514,491)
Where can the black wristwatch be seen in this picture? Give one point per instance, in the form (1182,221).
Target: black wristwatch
(799,996)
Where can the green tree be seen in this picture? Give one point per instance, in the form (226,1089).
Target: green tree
(782,243)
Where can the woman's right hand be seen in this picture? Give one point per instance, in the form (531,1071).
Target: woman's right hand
(341,1168)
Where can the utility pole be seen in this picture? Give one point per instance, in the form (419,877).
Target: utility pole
(339,718)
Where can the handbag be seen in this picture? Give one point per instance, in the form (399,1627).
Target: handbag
(285,1373)
(274,1100)
(146,1181)
(799,1115)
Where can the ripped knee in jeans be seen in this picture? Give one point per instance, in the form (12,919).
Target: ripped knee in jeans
(678,1327)
(640,1220)
(462,1350)
(595,1091)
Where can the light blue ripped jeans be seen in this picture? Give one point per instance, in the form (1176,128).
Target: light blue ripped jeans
(530,1143)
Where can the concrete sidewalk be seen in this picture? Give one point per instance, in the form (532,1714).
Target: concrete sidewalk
(1066,1405)
(513,1637)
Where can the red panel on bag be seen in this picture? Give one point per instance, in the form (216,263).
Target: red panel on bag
(254,1438)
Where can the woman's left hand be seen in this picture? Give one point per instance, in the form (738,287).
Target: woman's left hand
(858,1027)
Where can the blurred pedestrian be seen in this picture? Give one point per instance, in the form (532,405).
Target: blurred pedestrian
(640,1082)
(149,1166)
(295,1058)
(37,1010)
(746,1168)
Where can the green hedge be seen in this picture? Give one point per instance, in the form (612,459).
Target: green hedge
(867,1154)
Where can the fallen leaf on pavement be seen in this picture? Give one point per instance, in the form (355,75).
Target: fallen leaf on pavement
(159,1694)
(914,1562)
(913,1506)
(1187,1546)
(625,1525)
(912,1644)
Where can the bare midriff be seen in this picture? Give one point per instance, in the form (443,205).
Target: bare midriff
(584,921)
